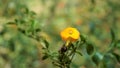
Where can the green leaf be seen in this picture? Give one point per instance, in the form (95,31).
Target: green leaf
(55,54)
(16,20)
(11,45)
(38,30)
(26,10)
(83,38)
(108,60)
(43,1)
(90,49)
(79,53)
(32,13)
(117,57)
(11,23)
(112,35)
(2,30)
(118,43)
(114,44)
(21,30)
(46,43)
(93,1)
(95,59)
(45,57)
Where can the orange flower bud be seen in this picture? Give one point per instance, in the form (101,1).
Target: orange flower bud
(70,34)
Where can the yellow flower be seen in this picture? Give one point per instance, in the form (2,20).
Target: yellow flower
(70,34)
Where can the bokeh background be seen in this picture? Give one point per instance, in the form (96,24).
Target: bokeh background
(94,18)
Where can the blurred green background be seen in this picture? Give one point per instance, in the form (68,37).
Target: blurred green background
(94,18)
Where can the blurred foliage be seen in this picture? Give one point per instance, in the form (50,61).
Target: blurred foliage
(29,32)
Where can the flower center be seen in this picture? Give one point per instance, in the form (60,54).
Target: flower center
(70,32)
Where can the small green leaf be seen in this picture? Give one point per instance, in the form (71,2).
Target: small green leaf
(117,57)
(118,43)
(26,10)
(83,38)
(32,13)
(79,53)
(95,59)
(11,23)
(93,1)
(43,1)
(2,30)
(54,54)
(45,57)
(112,35)
(89,49)
(5,56)
(16,20)
(37,30)
(46,43)
(21,30)
(11,45)
(108,60)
